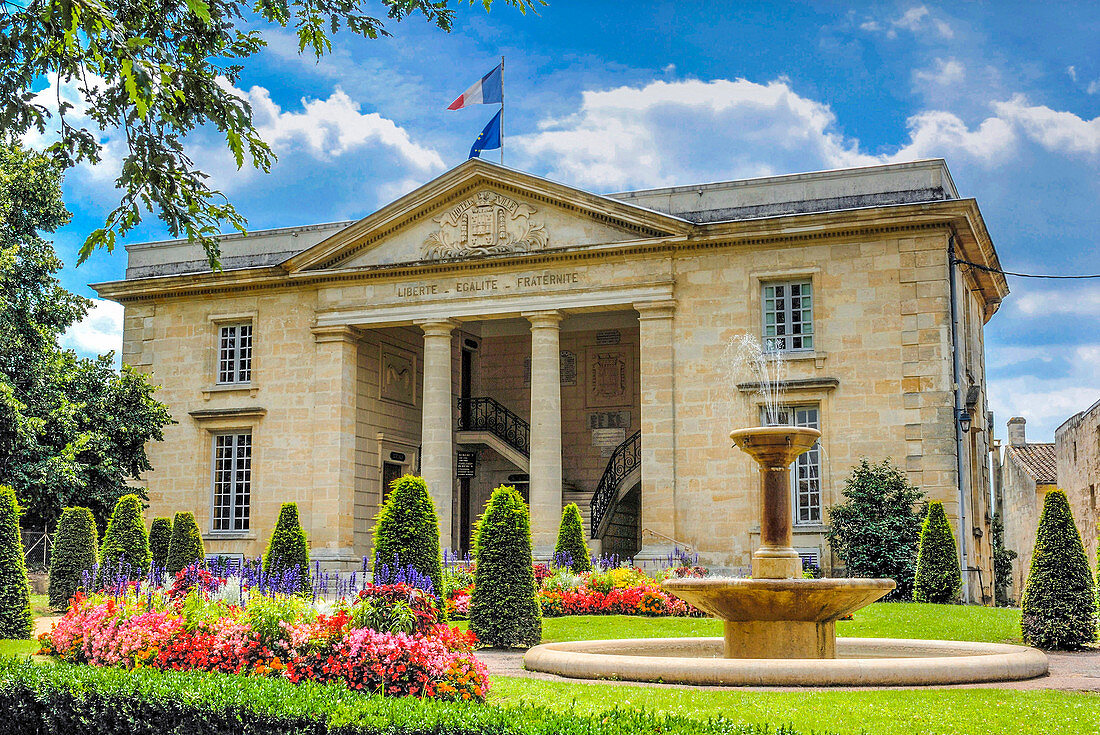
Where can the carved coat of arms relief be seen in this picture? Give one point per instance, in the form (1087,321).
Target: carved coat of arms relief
(484,224)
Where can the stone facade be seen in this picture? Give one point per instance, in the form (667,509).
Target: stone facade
(1077,445)
(589,318)
(1028,473)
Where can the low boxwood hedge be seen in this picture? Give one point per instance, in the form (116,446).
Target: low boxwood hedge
(83,700)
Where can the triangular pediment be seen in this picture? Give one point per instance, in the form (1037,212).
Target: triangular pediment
(479,209)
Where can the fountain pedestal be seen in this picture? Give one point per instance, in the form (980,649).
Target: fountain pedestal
(777,614)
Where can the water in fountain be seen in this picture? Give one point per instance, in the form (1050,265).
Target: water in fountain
(746,356)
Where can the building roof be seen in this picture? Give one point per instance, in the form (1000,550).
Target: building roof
(1038,461)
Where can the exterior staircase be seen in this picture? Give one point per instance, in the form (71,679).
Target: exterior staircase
(583,499)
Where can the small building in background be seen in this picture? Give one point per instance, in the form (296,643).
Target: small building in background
(1077,446)
(1028,473)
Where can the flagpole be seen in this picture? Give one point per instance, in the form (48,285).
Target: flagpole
(502,109)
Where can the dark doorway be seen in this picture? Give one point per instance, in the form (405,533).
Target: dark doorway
(464,513)
(390,472)
(466,385)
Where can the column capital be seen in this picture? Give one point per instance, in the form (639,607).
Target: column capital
(544,319)
(437,327)
(663,309)
(336,333)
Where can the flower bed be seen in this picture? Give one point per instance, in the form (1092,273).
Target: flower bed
(387,639)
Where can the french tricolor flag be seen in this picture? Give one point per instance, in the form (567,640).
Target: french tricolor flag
(486,91)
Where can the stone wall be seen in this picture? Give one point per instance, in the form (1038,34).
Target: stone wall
(1022,500)
(1077,444)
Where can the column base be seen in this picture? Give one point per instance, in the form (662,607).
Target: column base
(780,639)
(776,563)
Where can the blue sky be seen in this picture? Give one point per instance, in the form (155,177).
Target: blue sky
(611,96)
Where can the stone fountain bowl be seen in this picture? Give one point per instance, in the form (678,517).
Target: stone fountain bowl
(807,600)
(775,446)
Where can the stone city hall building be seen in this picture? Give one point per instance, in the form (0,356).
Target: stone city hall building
(495,327)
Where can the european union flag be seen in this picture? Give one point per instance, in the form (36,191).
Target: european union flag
(489,138)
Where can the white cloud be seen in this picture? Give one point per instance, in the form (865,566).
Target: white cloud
(1053,129)
(1072,71)
(1082,302)
(943,72)
(1094,87)
(99,332)
(916,19)
(938,134)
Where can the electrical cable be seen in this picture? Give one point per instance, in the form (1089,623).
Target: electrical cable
(987,269)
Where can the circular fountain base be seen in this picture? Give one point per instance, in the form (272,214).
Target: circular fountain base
(860,662)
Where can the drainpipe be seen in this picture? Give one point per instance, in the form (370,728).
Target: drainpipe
(960,439)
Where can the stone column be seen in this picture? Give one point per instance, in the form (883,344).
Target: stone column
(545,463)
(657,392)
(331,520)
(437,437)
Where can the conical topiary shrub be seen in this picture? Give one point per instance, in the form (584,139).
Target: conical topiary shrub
(504,612)
(74,552)
(938,578)
(185,547)
(160,536)
(288,548)
(15,598)
(126,542)
(407,531)
(571,547)
(1059,602)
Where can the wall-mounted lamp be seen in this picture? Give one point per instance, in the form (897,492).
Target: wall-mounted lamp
(963,417)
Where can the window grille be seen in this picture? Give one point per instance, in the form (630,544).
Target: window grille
(232,492)
(788,316)
(235,353)
(806,472)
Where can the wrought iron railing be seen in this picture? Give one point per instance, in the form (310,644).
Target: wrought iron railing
(626,457)
(487,414)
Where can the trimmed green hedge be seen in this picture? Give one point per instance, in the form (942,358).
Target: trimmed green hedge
(126,540)
(74,552)
(571,540)
(15,599)
(408,530)
(1059,602)
(185,547)
(504,609)
(83,700)
(160,536)
(938,578)
(288,548)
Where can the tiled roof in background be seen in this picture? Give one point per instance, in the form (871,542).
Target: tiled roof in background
(1037,460)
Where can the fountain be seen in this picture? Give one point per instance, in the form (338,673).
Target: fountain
(780,629)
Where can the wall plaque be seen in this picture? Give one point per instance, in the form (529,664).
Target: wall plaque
(608,337)
(610,377)
(609,420)
(466,464)
(568,367)
(397,376)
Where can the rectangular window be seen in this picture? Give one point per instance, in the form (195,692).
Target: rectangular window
(788,316)
(235,353)
(232,481)
(806,471)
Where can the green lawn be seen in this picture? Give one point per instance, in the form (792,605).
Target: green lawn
(881,620)
(18,648)
(894,712)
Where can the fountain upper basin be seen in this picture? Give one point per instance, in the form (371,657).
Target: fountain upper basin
(807,600)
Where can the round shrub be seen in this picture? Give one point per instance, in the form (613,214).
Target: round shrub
(1059,602)
(74,552)
(185,547)
(938,578)
(407,531)
(504,611)
(571,544)
(288,548)
(160,536)
(15,598)
(126,543)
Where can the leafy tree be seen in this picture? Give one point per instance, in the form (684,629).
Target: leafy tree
(408,530)
(74,552)
(126,543)
(876,528)
(160,537)
(154,72)
(1002,562)
(938,578)
(72,430)
(504,611)
(571,540)
(288,547)
(185,547)
(1059,602)
(15,598)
